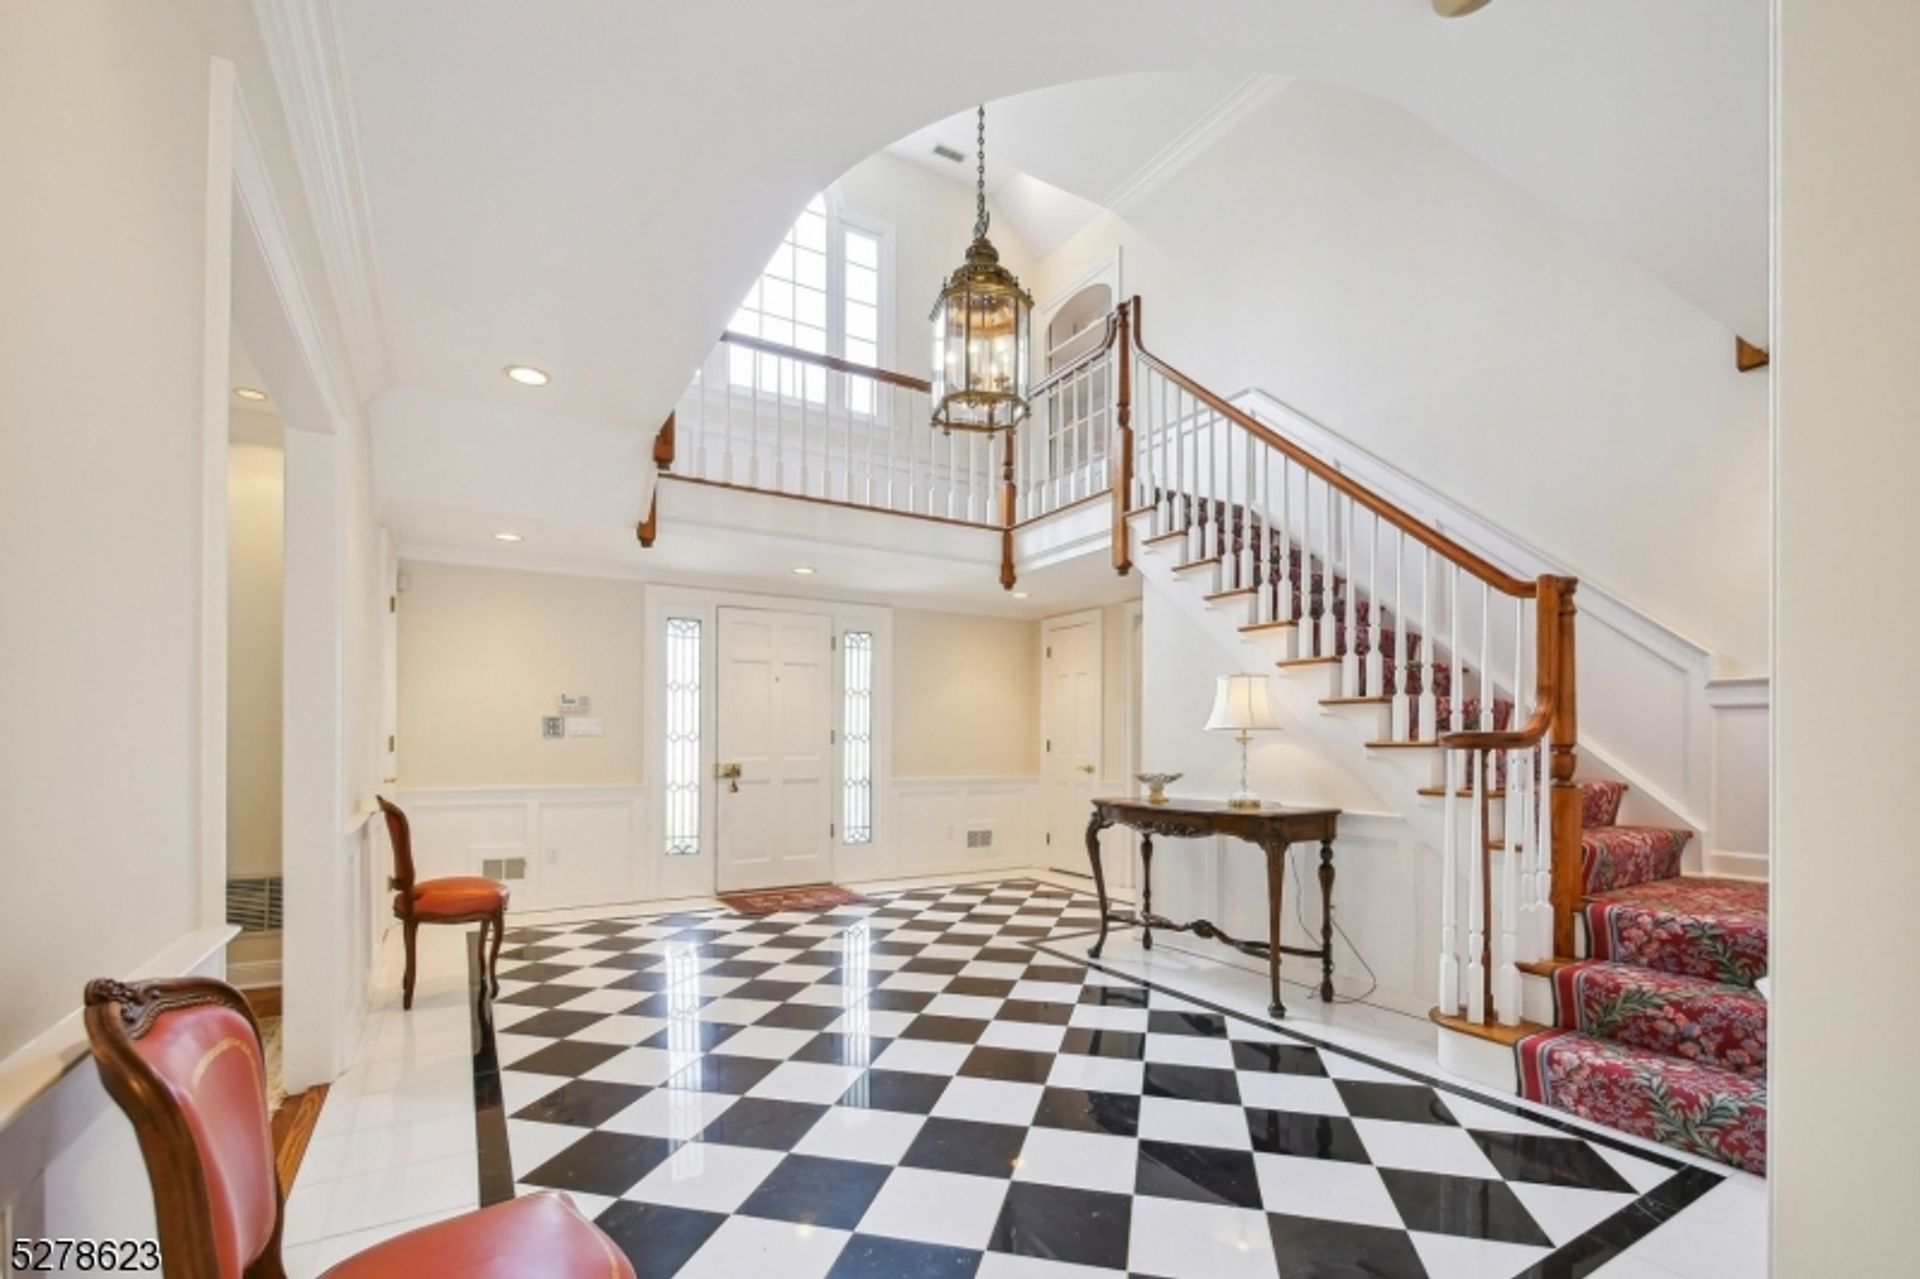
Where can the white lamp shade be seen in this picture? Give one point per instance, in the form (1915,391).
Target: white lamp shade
(1241,704)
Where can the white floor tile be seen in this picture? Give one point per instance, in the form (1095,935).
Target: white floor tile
(1096,1074)
(1423,1148)
(678,1113)
(869,1136)
(926,1056)
(706,1176)
(644,1067)
(991,1101)
(1026,1035)
(1325,1188)
(1451,1257)
(1194,1123)
(936,1207)
(1302,1094)
(1083,1160)
(814,1082)
(398,1193)
(746,1246)
(1566,1213)
(1174,1237)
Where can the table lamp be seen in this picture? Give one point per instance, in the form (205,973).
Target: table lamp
(1241,706)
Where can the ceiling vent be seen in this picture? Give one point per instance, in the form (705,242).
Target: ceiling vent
(946,152)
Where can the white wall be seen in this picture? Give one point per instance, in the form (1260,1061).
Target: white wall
(256,504)
(486,652)
(967,695)
(1342,255)
(1847,271)
(932,221)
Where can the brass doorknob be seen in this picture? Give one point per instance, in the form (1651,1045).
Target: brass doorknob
(1085,768)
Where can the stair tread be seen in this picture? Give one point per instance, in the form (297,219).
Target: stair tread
(1199,563)
(1158,538)
(1506,1036)
(1382,700)
(1288,662)
(1429,744)
(1251,627)
(1464,792)
(1694,926)
(1546,967)
(1238,592)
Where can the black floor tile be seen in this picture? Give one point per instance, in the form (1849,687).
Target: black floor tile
(584,1103)
(1278,1059)
(1124,1045)
(1035,1012)
(1081,1227)
(554,1024)
(684,1035)
(793,1016)
(835,1048)
(656,1239)
(902,1090)
(1115,996)
(1286,1132)
(965,1145)
(1550,1161)
(946,1030)
(762,1123)
(1204,1174)
(569,1057)
(1083,1111)
(876,1257)
(1408,1103)
(986,987)
(897,1001)
(602,1163)
(1312,1248)
(817,1192)
(1475,1207)
(1204,1025)
(718,1073)
(541,996)
(1009,1065)
(1191,1083)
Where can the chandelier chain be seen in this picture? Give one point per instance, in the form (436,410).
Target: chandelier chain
(980,181)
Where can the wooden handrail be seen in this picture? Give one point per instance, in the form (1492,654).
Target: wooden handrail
(1501,580)
(1078,362)
(832,362)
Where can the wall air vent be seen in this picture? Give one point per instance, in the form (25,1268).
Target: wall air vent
(947,153)
(504,868)
(254,903)
(980,837)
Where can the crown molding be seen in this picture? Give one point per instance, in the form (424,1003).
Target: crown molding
(303,49)
(1239,102)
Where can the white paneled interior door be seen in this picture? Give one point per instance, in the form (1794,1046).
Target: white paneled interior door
(1070,699)
(775,722)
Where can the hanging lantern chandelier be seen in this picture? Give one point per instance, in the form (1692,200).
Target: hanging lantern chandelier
(980,332)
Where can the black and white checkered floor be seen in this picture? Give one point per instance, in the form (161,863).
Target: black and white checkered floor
(917,1086)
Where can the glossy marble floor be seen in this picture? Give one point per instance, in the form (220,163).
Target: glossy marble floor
(938,1082)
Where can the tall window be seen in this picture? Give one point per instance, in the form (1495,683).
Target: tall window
(856,763)
(821,291)
(683,736)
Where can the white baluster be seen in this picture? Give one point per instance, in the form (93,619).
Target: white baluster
(780,364)
(1329,613)
(1403,668)
(1263,550)
(1350,663)
(1456,701)
(1284,596)
(1476,915)
(1429,705)
(1376,609)
(1543,840)
(728,418)
(1449,994)
(1506,978)
(1486,657)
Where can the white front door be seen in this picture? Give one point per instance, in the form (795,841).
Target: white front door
(1070,697)
(775,726)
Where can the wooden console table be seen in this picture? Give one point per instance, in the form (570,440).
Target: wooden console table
(1270,829)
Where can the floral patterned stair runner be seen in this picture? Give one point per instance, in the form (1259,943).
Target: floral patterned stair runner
(1710,928)
(1693,1107)
(1708,1022)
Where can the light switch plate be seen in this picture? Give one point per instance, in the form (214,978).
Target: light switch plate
(581,726)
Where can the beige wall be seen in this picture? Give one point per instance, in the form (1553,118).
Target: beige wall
(485,653)
(256,505)
(1845,880)
(966,694)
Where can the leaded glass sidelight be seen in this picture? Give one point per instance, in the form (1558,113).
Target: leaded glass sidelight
(683,736)
(856,735)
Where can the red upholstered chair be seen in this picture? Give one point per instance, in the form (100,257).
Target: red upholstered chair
(456,899)
(182,1058)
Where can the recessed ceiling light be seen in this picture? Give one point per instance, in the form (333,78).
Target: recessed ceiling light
(527,375)
(805,570)
(1019,595)
(506,537)
(249,393)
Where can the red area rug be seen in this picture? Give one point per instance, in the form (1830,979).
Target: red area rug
(807,897)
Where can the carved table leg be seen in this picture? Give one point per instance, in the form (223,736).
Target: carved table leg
(1276,880)
(1146,892)
(1097,823)
(1326,921)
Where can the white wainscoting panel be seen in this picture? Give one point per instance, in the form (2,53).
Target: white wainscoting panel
(582,843)
(932,816)
(1376,860)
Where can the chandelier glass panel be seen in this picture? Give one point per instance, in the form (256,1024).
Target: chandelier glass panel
(980,332)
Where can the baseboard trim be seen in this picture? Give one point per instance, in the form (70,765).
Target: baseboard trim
(254,974)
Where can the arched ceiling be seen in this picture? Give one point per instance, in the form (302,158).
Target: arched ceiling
(590,186)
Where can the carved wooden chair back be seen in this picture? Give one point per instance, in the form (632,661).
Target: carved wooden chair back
(181,1056)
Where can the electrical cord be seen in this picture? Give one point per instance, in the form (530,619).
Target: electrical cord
(1299,906)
